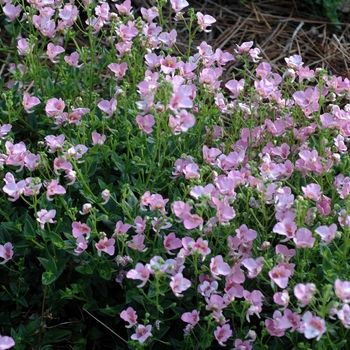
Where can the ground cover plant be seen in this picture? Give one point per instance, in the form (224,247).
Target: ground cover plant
(146,203)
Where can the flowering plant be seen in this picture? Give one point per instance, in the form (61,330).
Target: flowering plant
(147,203)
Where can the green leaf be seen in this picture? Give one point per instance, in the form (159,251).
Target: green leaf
(48,277)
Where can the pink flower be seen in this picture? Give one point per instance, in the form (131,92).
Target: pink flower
(54,107)
(254,267)
(303,238)
(242,345)
(215,303)
(140,224)
(54,188)
(6,342)
(191,317)
(171,242)
(344,315)
(281,298)
(108,107)
(219,267)
(79,229)
(222,334)
(294,62)
(280,275)
(342,289)
(53,51)
(73,59)
(179,284)
(140,272)
(178,5)
(82,244)
(98,139)
(129,315)
(205,21)
(23,47)
(124,8)
(192,221)
(105,245)
(29,102)
(86,209)
(327,233)
(12,12)
(312,191)
(142,333)
(106,195)
(146,123)
(304,293)
(45,216)
(6,253)
(137,243)
(313,326)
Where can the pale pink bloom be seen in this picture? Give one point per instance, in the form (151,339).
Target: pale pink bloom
(127,33)
(178,5)
(181,122)
(303,238)
(191,318)
(68,14)
(76,152)
(108,107)
(79,229)
(181,208)
(4,130)
(205,21)
(45,216)
(327,233)
(156,202)
(245,234)
(179,284)
(207,288)
(235,87)
(224,212)
(12,188)
(191,171)
(140,272)
(313,326)
(6,342)
(223,57)
(76,114)
(129,315)
(168,64)
(168,39)
(254,267)
(54,188)
(281,298)
(106,195)
(286,227)
(215,303)
(304,293)
(12,12)
(219,267)
(54,107)
(29,102)
(312,191)
(142,333)
(146,123)
(344,315)
(16,154)
(73,59)
(137,243)
(294,62)
(243,345)
(118,69)
(278,325)
(6,253)
(121,228)
(192,221)
(149,14)
(82,245)
(32,161)
(86,209)
(140,224)
(53,51)
(124,8)
(305,73)
(210,154)
(98,139)
(23,47)
(280,275)
(61,164)
(105,245)
(284,251)
(171,242)
(181,98)
(222,334)
(245,47)
(254,54)
(342,290)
